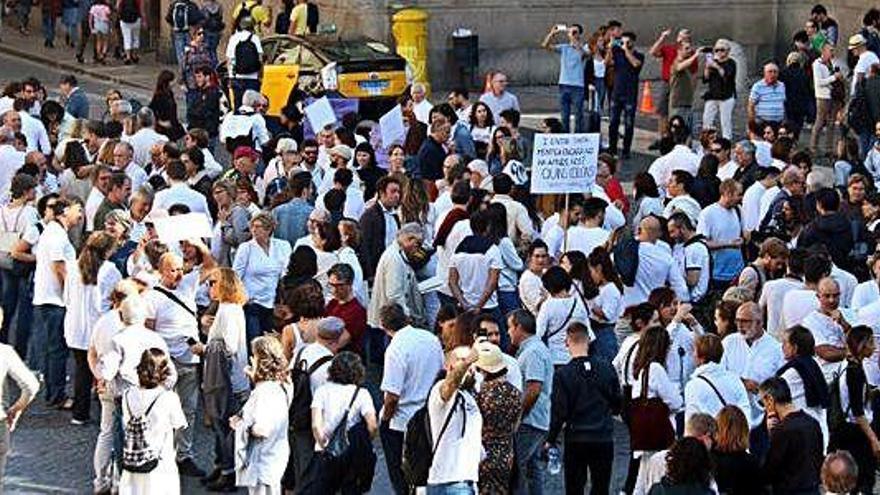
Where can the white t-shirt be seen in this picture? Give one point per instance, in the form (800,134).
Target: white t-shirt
(727,170)
(865,294)
(796,305)
(553,318)
(458,455)
(720,224)
(175,324)
(459,231)
(866,60)
(54,245)
(332,400)
(531,291)
(751,206)
(586,239)
(610,301)
(685,204)
(412,361)
(96,197)
(260,271)
(473,273)
(772,296)
(695,256)
(825,332)
(311,353)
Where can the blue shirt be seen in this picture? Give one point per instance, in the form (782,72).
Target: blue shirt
(536,365)
(292,219)
(769,100)
(626,77)
(571,65)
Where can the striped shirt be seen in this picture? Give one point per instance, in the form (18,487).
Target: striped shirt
(769,100)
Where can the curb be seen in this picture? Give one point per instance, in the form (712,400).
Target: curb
(70,67)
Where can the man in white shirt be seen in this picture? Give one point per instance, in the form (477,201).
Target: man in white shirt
(829,327)
(774,291)
(751,202)
(475,268)
(354,198)
(421,106)
(751,354)
(33,129)
(866,59)
(691,253)
(678,189)
(458,98)
(679,158)
(589,234)
(123,155)
(498,98)
(55,257)
(711,387)
(100,186)
(798,303)
(243,78)
(413,359)
(721,148)
(720,224)
(171,312)
(143,140)
(519,224)
(656,266)
(10,158)
(531,289)
(179,192)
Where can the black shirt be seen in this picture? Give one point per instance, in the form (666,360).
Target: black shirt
(430,160)
(721,87)
(737,473)
(586,395)
(796,454)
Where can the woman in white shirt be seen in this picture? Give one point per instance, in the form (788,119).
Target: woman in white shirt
(646,199)
(482,127)
(164,415)
(560,309)
(327,243)
(261,447)
(511,263)
(88,285)
(225,385)
(350,240)
(307,307)
(607,306)
(260,263)
(809,390)
(343,397)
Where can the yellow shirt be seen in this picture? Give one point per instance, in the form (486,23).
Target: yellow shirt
(298,17)
(260,14)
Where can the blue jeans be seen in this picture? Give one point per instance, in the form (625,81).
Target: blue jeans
(866,140)
(628,109)
(456,488)
(599,102)
(187,389)
(212,41)
(48,27)
(180,40)
(605,346)
(17,295)
(70,19)
(528,446)
(239,86)
(258,320)
(568,96)
(507,302)
(48,343)
(392,446)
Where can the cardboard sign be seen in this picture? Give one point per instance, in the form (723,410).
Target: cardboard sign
(320,114)
(172,230)
(392,128)
(564,163)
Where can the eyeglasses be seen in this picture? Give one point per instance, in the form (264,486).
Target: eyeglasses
(339,284)
(720,50)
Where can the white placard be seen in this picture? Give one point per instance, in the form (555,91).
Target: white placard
(564,163)
(183,227)
(320,114)
(391,125)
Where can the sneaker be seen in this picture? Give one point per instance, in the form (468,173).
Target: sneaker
(225,483)
(187,467)
(79,422)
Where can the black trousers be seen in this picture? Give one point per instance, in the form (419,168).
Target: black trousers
(580,458)
(82,385)
(392,445)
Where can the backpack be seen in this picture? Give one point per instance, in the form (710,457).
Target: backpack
(312,17)
(300,412)
(761,280)
(419,446)
(138,456)
(180,16)
(214,21)
(247,57)
(128,11)
(626,257)
(836,412)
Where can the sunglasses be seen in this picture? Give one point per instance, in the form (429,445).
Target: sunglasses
(720,50)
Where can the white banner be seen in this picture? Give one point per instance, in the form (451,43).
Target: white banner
(564,163)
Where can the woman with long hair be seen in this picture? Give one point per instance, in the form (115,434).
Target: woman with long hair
(511,263)
(164,106)
(224,383)
(367,169)
(482,124)
(705,188)
(607,306)
(87,285)
(493,156)
(416,207)
(646,199)
(575,263)
(725,317)
(688,470)
(307,307)
(735,469)
(261,426)
(231,227)
(396,160)
(855,433)
(683,329)
(349,246)
(327,243)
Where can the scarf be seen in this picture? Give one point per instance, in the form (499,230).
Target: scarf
(815,388)
(453,217)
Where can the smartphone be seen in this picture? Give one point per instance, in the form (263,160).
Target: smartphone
(708,57)
(561,27)
(191,341)
(617,42)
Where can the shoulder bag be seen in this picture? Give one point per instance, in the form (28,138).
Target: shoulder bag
(649,427)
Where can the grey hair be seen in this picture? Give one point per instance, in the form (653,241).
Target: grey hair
(411,229)
(747,146)
(144,193)
(133,311)
(145,117)
(123,106)
(819,178)
(250,98)
(126,145)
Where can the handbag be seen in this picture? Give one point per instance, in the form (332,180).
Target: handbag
(649,426)
(338,443)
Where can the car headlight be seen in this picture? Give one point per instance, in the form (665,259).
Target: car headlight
(329,78)
(410,73)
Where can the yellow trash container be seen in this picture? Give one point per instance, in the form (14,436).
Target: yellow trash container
(278,81)
(410,29)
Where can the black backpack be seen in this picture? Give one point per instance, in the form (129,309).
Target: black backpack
(300,412)
(312,17)
(247,57)
(214,21)
(419,445)
(626,257)
(836,412)
(180,16)
(128,11)
(282,22)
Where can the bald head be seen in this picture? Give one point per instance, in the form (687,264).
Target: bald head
(170,270)
(649,229)
(828,292)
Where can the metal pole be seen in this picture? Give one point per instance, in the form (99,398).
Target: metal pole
(565,230)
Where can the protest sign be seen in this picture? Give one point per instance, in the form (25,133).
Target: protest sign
(564,163)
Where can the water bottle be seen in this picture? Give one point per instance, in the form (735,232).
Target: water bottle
(554,462)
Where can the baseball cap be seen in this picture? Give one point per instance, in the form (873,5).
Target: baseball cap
(245,152)
(341,150)
(286,145)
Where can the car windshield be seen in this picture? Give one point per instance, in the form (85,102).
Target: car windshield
(347,50)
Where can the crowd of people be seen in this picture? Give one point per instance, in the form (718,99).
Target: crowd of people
(726,310)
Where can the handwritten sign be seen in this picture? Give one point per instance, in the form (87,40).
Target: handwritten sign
(564,163)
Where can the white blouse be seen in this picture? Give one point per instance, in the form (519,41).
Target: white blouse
(260,271)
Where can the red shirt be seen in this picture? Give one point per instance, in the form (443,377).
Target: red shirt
(615,191)
(667,55)
(355,317)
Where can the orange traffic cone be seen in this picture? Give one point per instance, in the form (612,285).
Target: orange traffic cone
(646,105)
